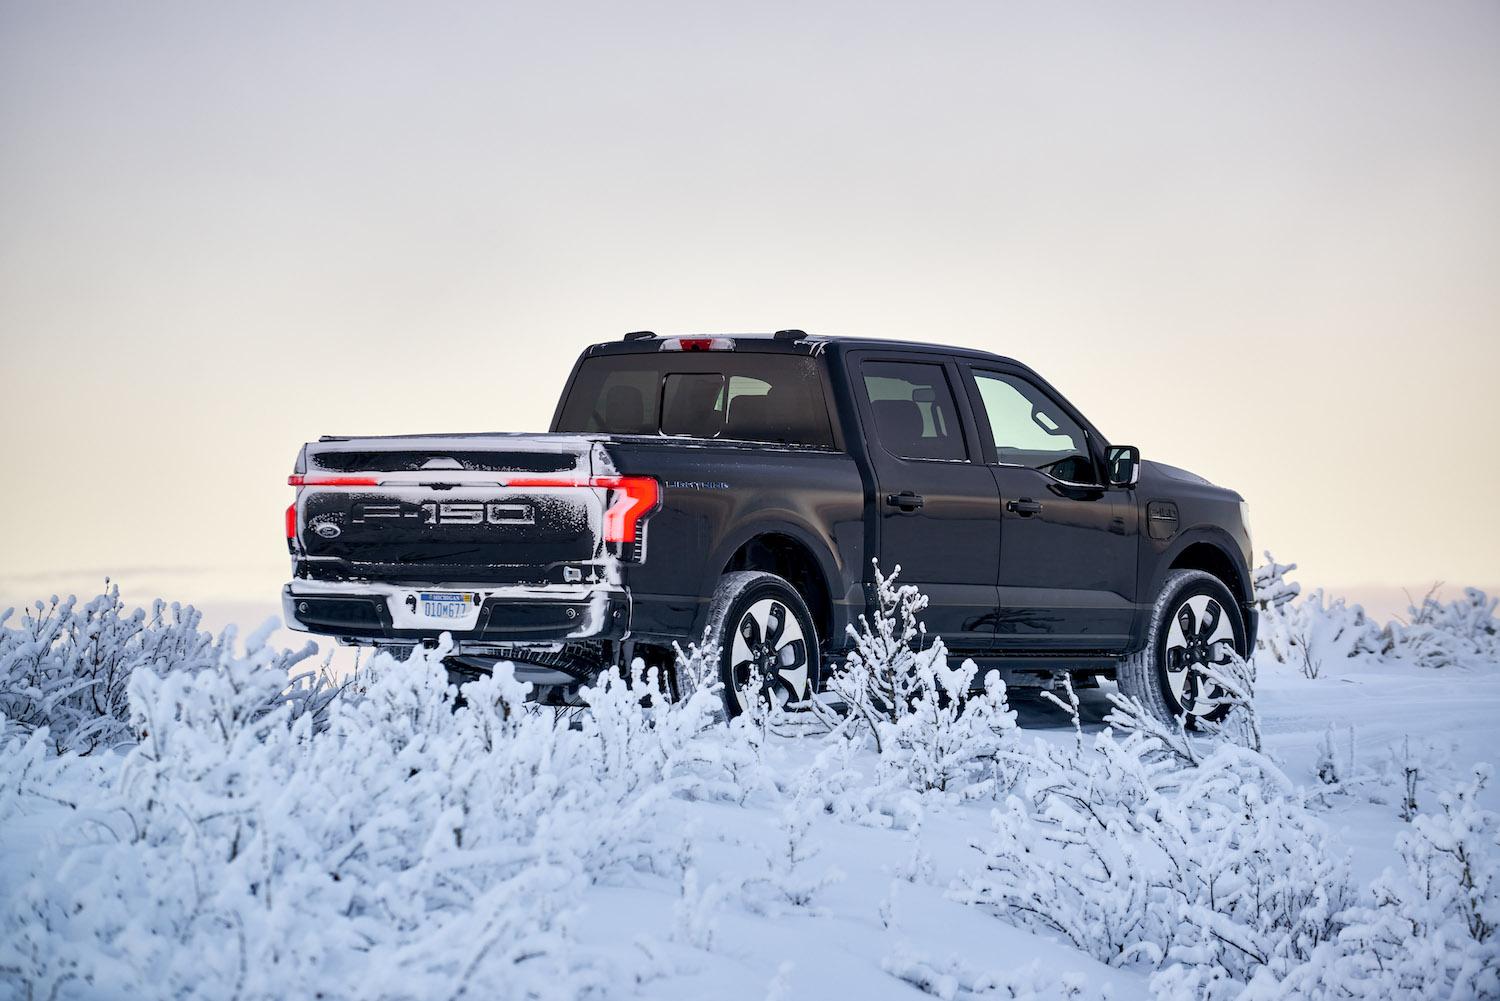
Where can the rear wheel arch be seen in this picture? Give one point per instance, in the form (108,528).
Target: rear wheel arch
(792,559)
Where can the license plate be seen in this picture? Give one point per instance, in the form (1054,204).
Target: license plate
(445,604)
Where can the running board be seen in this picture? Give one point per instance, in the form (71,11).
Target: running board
(1046,671)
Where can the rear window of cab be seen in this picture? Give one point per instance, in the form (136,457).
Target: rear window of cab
(738,396)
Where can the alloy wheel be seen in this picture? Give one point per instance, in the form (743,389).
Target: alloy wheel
(769,639)
(1201,635)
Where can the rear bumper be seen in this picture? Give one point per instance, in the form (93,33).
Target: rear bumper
(371,612)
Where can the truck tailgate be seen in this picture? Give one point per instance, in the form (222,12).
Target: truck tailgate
(500,508)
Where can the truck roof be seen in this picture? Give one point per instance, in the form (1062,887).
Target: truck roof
(788,341)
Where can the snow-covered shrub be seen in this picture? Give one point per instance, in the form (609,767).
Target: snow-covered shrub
(1330,769)
(1316,632)
(1136,856)
(1462,633)
(1272,589)
(951,738)
(878,679)
(1313,632)
(1430,929)
(68,668)
(681,747)
(933,730)
(240,851)
(1409,769)
(697,667)
(1320,631)
(952,978)
(837,785)
(794,874)
(1235,684)
(695,916)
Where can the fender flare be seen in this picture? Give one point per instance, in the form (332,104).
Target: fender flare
(1223,542)
(774,523)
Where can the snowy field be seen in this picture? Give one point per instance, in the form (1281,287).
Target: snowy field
(176,821)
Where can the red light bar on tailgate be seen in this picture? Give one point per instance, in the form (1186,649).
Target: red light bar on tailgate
(303,480)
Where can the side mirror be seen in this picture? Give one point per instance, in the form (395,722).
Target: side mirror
(1124,465)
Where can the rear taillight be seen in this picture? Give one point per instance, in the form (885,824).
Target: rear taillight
(632,498)
(291,522)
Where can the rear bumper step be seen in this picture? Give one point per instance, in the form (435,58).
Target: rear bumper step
(392,612)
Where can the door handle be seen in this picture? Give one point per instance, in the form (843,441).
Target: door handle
(1025,507)
(905,500)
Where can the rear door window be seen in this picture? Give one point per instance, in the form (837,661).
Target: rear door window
(915,416)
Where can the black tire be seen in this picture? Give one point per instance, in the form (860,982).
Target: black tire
(1160,675)
(781,631)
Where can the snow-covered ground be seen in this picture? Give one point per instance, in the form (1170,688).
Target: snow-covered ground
(408,851)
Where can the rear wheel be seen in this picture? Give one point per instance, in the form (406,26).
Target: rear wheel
(1195,623)
(768,643)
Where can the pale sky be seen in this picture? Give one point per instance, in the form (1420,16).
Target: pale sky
(1260,241)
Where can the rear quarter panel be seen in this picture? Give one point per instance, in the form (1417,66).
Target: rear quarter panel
(716,496)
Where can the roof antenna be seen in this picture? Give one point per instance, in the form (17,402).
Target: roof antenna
(640,335)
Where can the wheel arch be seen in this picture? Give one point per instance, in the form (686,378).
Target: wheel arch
(1204,550)
(791,553)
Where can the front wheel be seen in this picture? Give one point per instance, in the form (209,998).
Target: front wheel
(768,643)
(1195,623)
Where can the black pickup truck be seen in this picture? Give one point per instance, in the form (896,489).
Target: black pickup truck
(743,486)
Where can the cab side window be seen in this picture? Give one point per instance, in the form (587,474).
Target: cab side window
(915,416)
(1030,430)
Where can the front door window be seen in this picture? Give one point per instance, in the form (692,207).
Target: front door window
(1029,430)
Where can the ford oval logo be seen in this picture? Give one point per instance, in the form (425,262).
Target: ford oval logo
(327,529)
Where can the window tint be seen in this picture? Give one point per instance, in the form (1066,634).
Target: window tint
(625,402)
(1030,430)
(741,396)
(915,417)
(692,403)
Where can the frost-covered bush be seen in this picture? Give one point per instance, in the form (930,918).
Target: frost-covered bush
(67,668)
(1462,633)
(878,680)
(836,782)
(1430,929)
(933,728)
(951,978)
(1235,684)
(240,852)
(795,874)
(1272,589)
(1316,632)
(1138,857)
(1320,632)
(952,739)
(1312,633)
